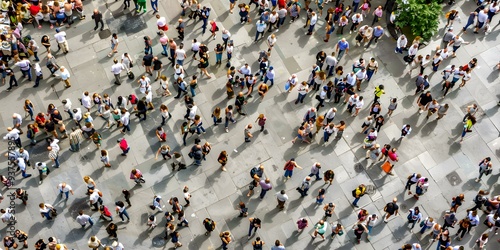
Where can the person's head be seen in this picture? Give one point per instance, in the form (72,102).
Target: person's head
(308,178)
(277,243)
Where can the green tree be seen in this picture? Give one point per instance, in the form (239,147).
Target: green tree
(420,16)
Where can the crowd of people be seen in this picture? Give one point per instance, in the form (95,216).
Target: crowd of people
(330,83)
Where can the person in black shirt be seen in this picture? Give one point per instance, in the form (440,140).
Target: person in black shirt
(12,79)
(50,128)
(239,102)
(423,101)
(97,16)
(147,61)
(141,110)
(157,67)
(180,29)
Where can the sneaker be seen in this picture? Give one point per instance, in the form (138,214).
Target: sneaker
(395,51)
(227,130)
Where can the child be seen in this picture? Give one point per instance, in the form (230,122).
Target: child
(187,195)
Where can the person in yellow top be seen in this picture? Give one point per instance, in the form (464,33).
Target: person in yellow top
(379,91)
(471,120)
(357,193)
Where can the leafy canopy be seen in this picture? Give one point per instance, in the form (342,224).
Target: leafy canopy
(422,17)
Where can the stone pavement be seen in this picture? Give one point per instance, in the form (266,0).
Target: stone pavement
(432,149)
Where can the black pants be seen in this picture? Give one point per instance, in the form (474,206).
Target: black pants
(140,113)
(126,3)
(462,230)
(12,81)
(181,35)
(337,97)
(97,22)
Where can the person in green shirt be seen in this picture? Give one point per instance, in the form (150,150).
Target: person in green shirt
(141,5)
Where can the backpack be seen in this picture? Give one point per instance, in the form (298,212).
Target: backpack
(253,172)
(340,88)
(130,75)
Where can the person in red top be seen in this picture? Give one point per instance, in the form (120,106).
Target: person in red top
(281,3)
(213,29)
(123,146)
(40,120)
(34,9)
(105,213)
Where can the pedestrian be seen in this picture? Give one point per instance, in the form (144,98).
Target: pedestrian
(222,159)
(47,210)
(421,187)
(281,197)
(225,238)
(485,167)
(255,223)
(83,219)
(60,37)
(482,18)
(157,203)
(242,209)
(111,229)
(97,16)
(209,225)
(467,127)
(229,117)
(357,193)
(329,210)
(265,186)
(341,48)
(414,216)
(390,209)
(457,202)
(315,169)
(247,132)
(65,188)
(464,225)
(320,228)
(426,224)
(304,187)
(359,229)
(121,210)
(105,213)
(378,32)
(123,146)
(289,166)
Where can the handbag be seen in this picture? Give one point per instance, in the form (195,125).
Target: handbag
(53,212)
(422,223)
(130,64)
(341,232)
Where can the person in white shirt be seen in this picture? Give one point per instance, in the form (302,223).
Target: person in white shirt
(273,20)
(331,62)
(127,62)
(412,52)
(370,223)
(77,116)
(144,84)
(117,69)
(86,101)
(17,121)
(356,20)
(117,246)
(7,216)
(401,44)
(352,102)
(314,19)
(246,71)
(161,22)
(271,40)
(25,66)
(482,17)
(195,47)
(359,105)
(225,37)
(65,188)
(360,76)
(125,120)
(114,44)
(180,55)
(13,135)
(282,197)
(82,219)
(350,80)
(62,43)
(67,107)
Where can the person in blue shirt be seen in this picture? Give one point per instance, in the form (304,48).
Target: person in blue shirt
(342,47)
(378,32)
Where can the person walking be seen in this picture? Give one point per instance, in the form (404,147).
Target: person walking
(83,219)
(209,225)
(62,43)
(66,189)
(304,187)
(485,167)
(320,228)
(359,229)
(281,197)
(222,159)
(414,216)
(289,166)
(97,16)
(247,132)
(315,169)
(357,193)
(341,48)
(265,186)
(390,209)
(225,238)
(255,223)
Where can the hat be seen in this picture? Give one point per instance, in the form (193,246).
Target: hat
(158,197)
(57,30)
(119,140)
(115,244)
(271,67)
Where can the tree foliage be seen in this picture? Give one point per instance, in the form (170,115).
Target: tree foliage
(421,16)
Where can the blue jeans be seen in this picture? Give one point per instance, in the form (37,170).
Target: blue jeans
(66,193)
(75,147)
(37,80)
(56,162)
(218,58)
(180,62)
(200,128)
(341,53)
(263,193)
(330,70)
(27,73)
(288,173)
(165,53)
(47,215)
(267,79)
(423,229)
(355,6)
(227,121)
(250,229)
(317,175)
(370,73)
(311,28)
(193,93)
(300,98)
(204,26)
(23,173)
(229,55)
(90,222)
(154,5)
(369,229)
(399,50)
(355,202)
(281,21)
(124,213)
(126,128)
(326,136)
(257,35)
